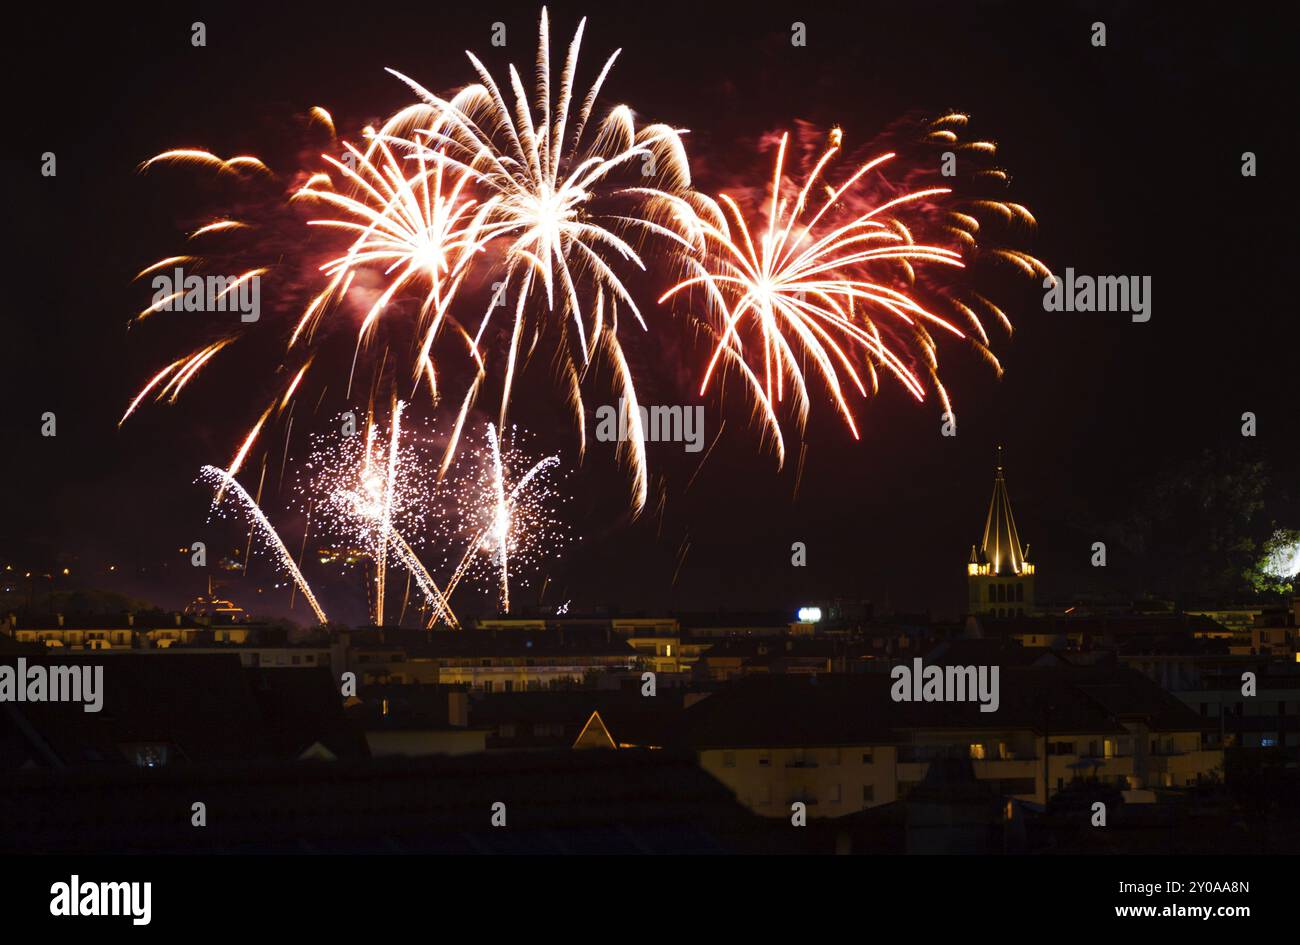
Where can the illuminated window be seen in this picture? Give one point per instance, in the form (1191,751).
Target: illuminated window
(977,751)
(148,755)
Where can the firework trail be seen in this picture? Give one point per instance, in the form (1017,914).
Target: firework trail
(223,481)
(437,600)
(828,287)
(501,516)
(386,511)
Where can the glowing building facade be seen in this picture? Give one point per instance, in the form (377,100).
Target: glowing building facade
(999,572)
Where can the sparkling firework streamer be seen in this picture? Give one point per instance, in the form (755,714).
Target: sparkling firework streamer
(371,492)
(506,519)
(830,288)
(556,207)
(222,482)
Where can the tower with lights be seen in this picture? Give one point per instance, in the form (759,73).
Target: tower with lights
(999,572)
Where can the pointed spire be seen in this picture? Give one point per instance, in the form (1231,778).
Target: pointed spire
(1001,546)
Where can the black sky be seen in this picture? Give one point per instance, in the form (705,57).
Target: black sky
(1129,157)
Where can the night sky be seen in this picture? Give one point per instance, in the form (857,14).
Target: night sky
(1129,156)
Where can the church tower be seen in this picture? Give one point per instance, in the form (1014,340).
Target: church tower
(1000,574)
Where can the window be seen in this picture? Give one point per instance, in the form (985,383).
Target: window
(977,751)
(867,755)
(765,759)
(837,794)
(150,755)
(868,793)
(728,759)
(487,685)
(506,730)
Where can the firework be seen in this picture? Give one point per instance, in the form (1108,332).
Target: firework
(831,288)
(223,481)
(416,229)
(559,218)
(505,519)
(371,488)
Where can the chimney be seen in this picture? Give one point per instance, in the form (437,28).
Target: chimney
(59,617)
(130,619)
(458,708)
